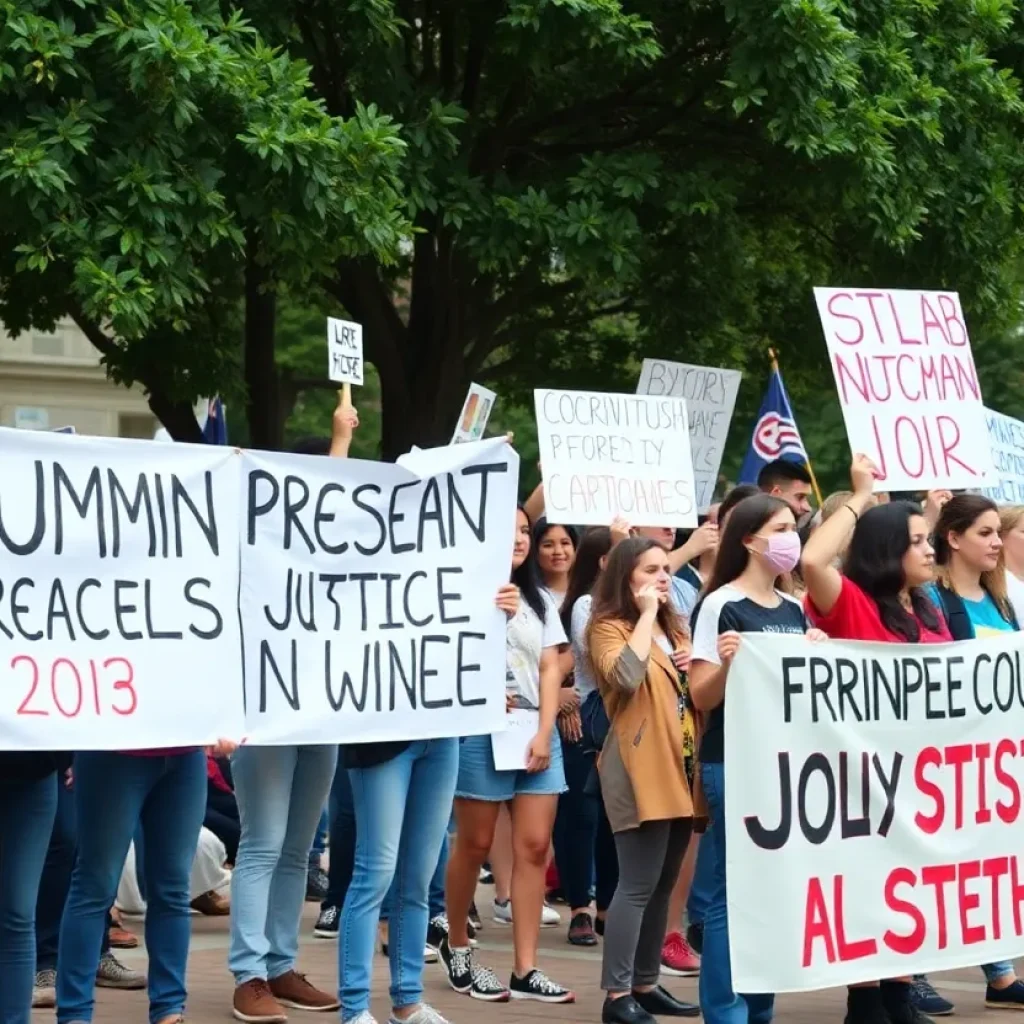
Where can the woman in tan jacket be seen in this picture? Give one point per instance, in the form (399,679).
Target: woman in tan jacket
(640,650)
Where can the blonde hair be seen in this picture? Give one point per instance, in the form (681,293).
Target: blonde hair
(833,503)
(1010,517)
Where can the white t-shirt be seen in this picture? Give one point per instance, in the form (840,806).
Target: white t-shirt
(526,639)
(583,671)
(1015,593)
(684,596)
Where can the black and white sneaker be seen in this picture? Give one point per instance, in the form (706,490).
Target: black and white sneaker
(538,986)
(438,930)
(467,977)
(326,926)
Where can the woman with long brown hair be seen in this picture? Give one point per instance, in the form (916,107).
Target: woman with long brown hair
(639,649)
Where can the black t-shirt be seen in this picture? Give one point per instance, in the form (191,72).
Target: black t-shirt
(730,610)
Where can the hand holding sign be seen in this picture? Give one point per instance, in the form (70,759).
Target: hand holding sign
(345,419)
(863,473)
(344,351)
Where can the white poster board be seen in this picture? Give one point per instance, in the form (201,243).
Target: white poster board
(368,594)
(878,787)
(476,411)
(907,385)
(605,455)
(118,593)
(1006,441)
(344,351)
(710,395)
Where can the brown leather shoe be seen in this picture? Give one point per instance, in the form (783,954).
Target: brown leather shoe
(254,1003)
(292,989)
(212,904)
(121,938)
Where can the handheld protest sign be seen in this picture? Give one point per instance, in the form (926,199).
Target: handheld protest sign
(907,385)
(476,411)
(710,395)
(344,351)
(606,456)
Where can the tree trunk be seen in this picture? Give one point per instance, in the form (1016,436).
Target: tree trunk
(263,392)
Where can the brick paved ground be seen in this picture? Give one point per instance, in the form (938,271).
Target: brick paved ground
(210,984)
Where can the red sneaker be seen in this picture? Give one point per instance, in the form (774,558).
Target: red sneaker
(677,958)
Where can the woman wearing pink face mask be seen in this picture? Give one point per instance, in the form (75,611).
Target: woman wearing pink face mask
(759,545)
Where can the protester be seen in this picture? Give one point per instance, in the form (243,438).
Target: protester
(281,792)
(581,845)
(28,803)
(533,681)
(878,596)
(162,795)
(972,593)
(1011,530)
(555,549)
(222,807)
(758,545)
(640,650)
(789,481)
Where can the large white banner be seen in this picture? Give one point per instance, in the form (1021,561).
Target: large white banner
(907,385)
(605,455)
(877,788)
(118,593)
(1006,440)
(367,596)
(710,396)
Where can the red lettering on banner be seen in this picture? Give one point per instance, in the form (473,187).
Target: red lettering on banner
(1008,812)
(904,340)
(1016,894)
(833,300)
(938,876)
(110,683)
(982,816)
(929,757)
(968,901)
(959,755)
(904,944)
(816,923)
(993,869)
(952,319)
(930,320)
(817,926)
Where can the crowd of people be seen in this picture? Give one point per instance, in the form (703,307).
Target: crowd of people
(620,639)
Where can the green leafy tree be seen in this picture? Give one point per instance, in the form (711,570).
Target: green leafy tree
(590,181)
(163,168)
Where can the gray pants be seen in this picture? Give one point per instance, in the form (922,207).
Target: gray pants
(649,861)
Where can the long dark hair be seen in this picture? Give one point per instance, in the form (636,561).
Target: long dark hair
(594,545)
(739,493)
(874,561)
(527,579)
(958,515)
(613,598)
(746,519)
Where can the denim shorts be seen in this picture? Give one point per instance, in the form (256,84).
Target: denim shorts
(480,780)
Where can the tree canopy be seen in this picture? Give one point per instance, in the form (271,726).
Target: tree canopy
(512,191)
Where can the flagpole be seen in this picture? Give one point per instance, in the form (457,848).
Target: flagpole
(810,468)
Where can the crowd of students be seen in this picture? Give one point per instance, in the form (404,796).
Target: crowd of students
(621,640)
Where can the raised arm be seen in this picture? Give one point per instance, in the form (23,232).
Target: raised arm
(343,426)
(823,580)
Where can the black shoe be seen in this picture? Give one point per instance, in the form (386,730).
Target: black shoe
(898,1003)
(316,885)
(624,1010)
(326,926)
(661,1003)
(927,1000)
(695,937)
(864,1006)
(581,930)
(538,986)
(467,977)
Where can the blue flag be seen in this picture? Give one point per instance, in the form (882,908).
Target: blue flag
(215,430)
(775,434)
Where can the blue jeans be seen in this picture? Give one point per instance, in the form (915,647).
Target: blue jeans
(575,832)
(26,817)
(316,851)
(402,811)
(997,971)
(281,792)
(718,1002)
(342,816)
(114,794)
(435,892)
(703,880)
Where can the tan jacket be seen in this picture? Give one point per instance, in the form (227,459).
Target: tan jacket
(643,777)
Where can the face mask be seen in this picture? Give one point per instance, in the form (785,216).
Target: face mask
(783,551)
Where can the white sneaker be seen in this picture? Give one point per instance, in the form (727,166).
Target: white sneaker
(549,917)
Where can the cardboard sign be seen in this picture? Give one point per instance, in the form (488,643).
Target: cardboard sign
(476,411)
(605,455)
(878,786)
(710,395)
(1005,485)
(908,386)
(118,610)
(344,351)
(367,594)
